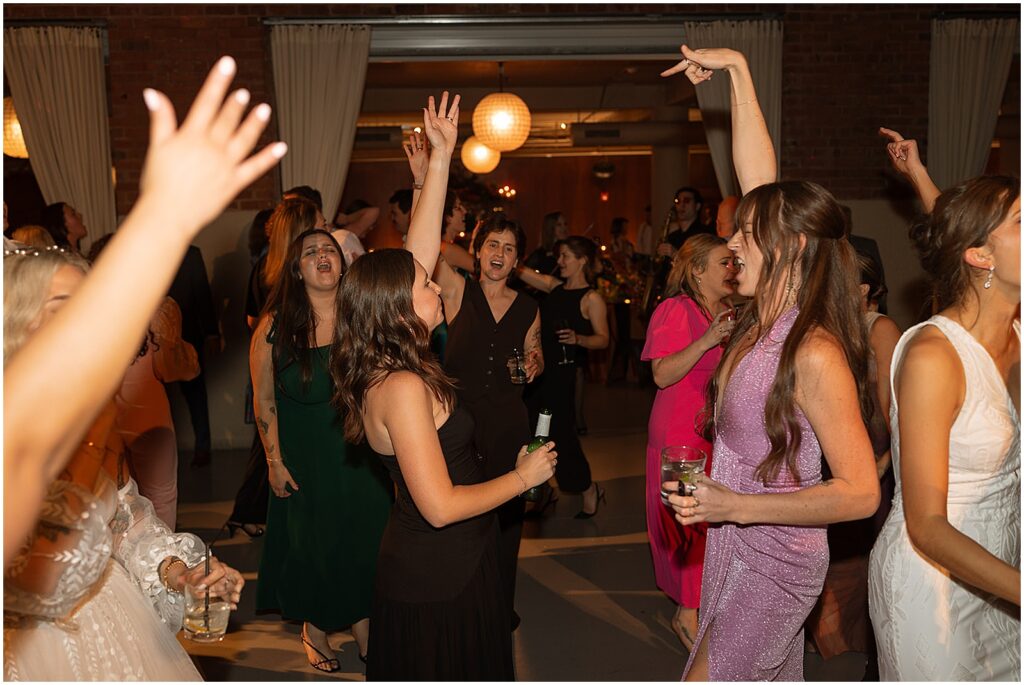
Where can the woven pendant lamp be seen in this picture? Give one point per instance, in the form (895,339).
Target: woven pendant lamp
(479,158)
(502,120)
(14,139)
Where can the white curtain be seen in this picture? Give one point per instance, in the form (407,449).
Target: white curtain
(319,71)
(57,81)
(761,42)
(970,62)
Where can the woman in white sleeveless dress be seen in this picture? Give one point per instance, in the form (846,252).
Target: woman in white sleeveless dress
(944,579)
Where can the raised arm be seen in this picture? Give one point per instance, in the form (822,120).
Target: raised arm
(752,152)
(671,368)
(190,175)
(906,160)
(417,154)
(441,126)
(542,282)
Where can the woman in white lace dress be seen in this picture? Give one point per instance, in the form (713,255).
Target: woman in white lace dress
(944,579)
(95,591)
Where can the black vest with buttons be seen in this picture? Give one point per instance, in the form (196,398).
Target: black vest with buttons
(476,356)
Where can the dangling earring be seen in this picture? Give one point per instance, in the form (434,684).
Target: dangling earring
(991,273)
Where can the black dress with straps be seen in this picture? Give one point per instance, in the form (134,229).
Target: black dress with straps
(557,386)
(438,611)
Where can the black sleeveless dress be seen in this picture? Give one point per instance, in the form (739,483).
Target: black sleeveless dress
(557,386)
(438,610)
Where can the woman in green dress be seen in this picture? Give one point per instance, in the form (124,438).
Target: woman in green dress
(331,500)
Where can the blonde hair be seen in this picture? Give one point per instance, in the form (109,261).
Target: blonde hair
(692,257)
(27,277)
(33,236)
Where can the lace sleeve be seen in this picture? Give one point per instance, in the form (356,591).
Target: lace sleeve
(63,558)
(142,541)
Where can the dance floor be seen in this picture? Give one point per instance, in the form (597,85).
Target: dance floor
(590,610)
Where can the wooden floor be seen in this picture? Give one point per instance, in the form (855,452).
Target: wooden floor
(586,594)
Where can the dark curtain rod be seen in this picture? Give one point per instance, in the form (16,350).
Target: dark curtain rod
(452,19)
(20,23)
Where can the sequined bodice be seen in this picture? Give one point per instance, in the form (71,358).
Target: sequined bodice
(741,423)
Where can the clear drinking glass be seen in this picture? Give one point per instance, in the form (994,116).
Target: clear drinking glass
(561,325)
(680,464)
(517,367)
(206,614)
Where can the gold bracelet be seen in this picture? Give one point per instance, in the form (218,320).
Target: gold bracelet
(272,460)
(740,104)
(521,479)
(167,571)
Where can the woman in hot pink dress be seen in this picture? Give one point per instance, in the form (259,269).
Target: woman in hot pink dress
(683,342)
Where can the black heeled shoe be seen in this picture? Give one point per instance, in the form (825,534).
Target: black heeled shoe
(251,529)
(597,504)
(326,664)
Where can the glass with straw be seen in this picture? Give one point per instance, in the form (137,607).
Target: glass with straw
(206,609)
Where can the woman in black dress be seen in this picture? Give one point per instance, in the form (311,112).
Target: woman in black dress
(438,611)
(572,314)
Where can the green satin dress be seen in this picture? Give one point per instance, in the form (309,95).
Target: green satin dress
(320,551)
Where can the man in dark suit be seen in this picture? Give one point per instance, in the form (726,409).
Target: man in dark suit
(688,203)
(866,248)
(191,290)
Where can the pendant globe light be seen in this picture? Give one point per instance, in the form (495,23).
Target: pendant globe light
(502,120)
(479,158)
(14,139)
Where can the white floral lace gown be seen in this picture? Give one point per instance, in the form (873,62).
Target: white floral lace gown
(88,604)
(929,626)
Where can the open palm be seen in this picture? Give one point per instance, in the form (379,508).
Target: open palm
(441,125)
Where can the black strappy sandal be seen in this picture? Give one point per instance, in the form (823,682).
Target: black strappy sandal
(326,664)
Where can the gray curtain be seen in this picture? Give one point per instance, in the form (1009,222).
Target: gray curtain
(319,72)
(57,81)
(761,42)
(970,62)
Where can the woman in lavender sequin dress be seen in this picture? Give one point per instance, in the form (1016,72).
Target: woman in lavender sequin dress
(792,384)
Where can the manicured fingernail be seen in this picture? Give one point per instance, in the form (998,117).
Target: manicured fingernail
(226,65)
(201,586)
(263,112)
(242,96)
(151,99)
(279,150)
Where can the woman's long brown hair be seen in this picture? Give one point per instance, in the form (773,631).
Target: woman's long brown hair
(826,273)
(378,333)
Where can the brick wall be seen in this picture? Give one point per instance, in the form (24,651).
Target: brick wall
(847,70)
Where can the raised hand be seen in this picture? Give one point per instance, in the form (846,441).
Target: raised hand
(441,125)
(902,153)
(720,329)
(699,65)
(416,152)
(191,173)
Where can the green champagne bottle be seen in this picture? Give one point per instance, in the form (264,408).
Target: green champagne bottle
(540,437)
